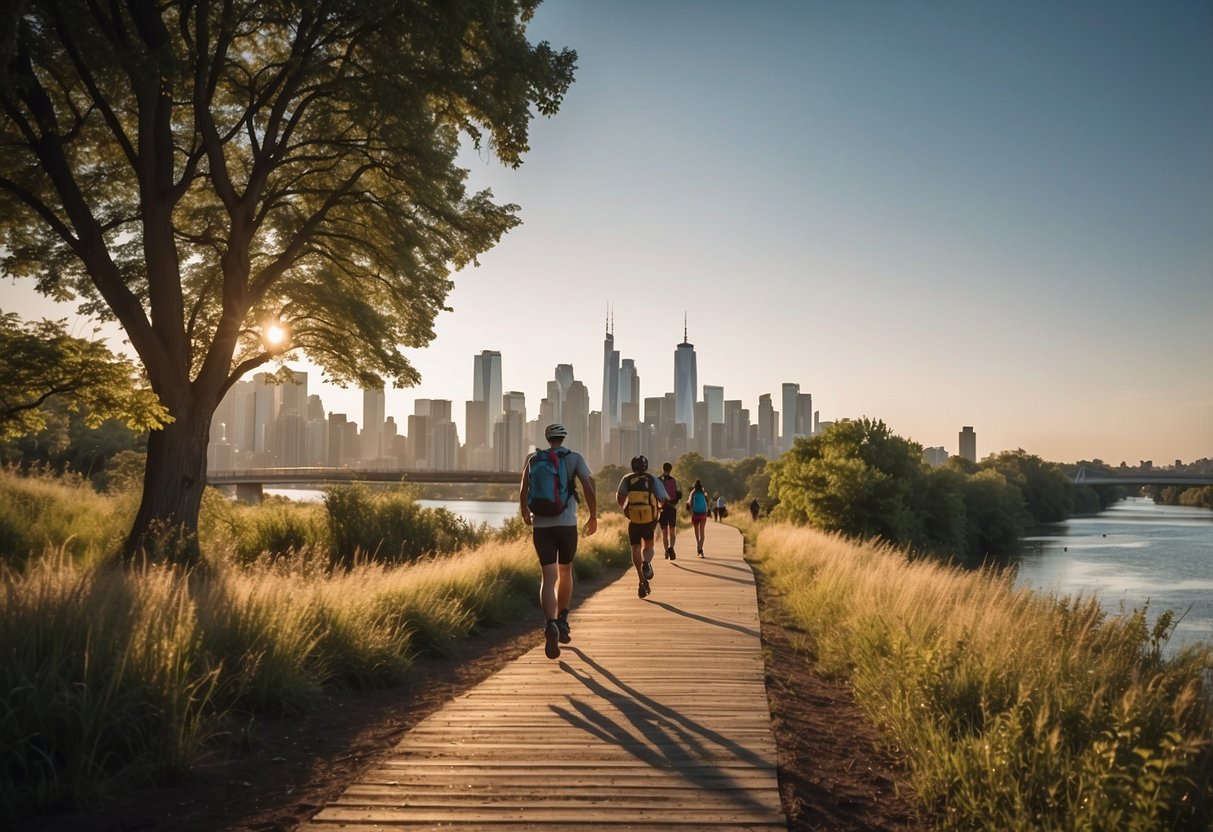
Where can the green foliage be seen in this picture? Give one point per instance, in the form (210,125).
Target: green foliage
(859,479)
(606,483)
(66,443)
(1195,496)
(276,529)
(856,478)
(995,513)
(124,471)
(389,527)
(1047,492)
(714,474)
(40,361)
(941,508)
(735,480)
(40,513)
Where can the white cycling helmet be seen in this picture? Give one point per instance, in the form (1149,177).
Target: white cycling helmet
(554,431)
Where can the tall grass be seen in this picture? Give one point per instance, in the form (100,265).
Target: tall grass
(1012,710)
(64,513)
(114,676)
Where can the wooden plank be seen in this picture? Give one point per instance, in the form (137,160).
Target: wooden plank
(655,717)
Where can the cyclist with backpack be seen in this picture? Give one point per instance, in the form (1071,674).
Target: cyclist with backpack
(669,512)
(641,495)
(547,501)
(697,504)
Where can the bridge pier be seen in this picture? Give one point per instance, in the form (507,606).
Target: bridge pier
(249,492)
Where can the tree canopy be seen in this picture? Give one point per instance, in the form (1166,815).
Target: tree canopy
(40,363)
(202,172)
(855,478)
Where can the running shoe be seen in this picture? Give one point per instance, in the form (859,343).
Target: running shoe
(647,568)
(643,591)
(551,636)
(566,634)
(673,554)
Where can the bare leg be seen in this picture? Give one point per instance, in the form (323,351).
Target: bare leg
(547,590)
(564,587)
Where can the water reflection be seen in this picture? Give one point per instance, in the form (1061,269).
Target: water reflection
(1134,554)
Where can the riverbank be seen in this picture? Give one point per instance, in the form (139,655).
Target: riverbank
(1010,709)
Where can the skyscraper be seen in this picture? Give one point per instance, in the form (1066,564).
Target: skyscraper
(968,443)
(629,385)
(791,396)
(266,396)
(486,387)
(374,405)
(804,414)
(558,390)
(610,384)
(686,383)
(714,396)
(766,426)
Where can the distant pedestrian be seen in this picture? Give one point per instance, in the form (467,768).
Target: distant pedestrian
(755,508)
(547,501)
(669,512)
(722,510)
(641,496)
(697,504)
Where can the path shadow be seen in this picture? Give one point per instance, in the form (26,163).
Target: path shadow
(673,741)
(744,581)
(715,622)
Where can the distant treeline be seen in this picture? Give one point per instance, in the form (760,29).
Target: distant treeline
(860,479)
(1174,495)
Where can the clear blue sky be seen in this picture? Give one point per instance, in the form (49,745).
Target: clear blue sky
(934,213)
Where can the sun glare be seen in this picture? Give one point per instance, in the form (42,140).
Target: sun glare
(275,335)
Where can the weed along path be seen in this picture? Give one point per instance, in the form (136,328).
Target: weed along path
(654,717)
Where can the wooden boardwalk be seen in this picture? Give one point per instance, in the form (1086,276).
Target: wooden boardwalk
(654,717)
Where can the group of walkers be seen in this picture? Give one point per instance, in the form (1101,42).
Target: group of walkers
(548,505)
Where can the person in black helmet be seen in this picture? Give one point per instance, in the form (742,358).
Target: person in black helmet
(641,496)
(555,537)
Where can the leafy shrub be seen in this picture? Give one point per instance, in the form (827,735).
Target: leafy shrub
(389,527)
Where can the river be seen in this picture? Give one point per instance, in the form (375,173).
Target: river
(1133,553)
(493,512)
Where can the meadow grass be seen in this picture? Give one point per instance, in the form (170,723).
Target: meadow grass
(1011,710)
(61,513)
(130,675)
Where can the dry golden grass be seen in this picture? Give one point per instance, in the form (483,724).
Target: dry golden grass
(1012,710)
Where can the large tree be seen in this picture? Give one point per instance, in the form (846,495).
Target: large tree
(210,172)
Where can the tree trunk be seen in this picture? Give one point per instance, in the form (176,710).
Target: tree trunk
(166,527)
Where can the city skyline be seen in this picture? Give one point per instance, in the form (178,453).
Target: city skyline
(937,215)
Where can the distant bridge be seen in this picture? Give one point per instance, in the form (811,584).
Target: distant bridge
(250,482)
(1137,477)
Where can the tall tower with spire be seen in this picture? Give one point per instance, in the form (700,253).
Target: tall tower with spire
(610,380)
(686,382)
